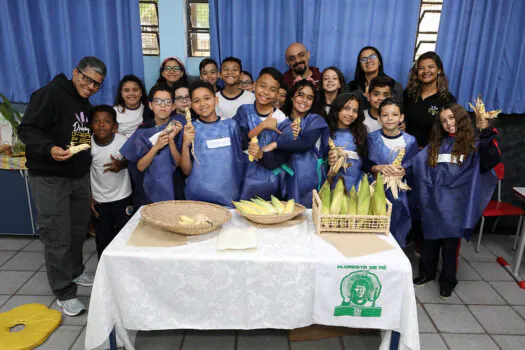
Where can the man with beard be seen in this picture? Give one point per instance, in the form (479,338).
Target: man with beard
(297,59)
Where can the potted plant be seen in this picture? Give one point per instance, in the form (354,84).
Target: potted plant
(14,118)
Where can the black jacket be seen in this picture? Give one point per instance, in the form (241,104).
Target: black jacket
(56,116)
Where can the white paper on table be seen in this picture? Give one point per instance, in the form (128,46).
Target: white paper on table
(237,237)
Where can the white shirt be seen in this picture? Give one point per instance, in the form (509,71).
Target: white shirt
(396,143)
(227,107)
(371,124)
(277,114)
(129,120)
(108,186)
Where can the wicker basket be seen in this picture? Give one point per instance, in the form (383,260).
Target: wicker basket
(349,223)
(273,219)
(166,215)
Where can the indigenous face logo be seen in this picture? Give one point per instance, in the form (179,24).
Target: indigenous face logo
(359,290)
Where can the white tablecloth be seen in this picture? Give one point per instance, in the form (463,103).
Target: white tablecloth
(279,285)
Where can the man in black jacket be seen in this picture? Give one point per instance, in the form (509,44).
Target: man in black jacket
(57,118)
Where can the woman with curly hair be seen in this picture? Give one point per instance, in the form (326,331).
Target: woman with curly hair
(454,182)
(425,94)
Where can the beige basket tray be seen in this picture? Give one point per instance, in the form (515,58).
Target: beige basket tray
(274,219)
(166,215)
(349,223)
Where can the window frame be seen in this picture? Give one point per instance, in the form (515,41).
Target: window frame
(421,15)
(153,29)
(193,30)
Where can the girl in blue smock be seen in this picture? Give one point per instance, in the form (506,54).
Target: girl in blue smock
(214,164)
(153,164)
(383,148)
(454,181)
(262,120)
(306,144)
(347,130)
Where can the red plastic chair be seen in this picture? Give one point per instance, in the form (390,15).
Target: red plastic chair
(499,208)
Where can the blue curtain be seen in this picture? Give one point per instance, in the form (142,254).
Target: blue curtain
(333,31)
(482,46)
(40,39)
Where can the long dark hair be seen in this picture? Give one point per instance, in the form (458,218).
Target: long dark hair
(359,74)
(161,79)
(464,140)
(119,101)
(322,93)
(288,104)
(414,85)
(357,128)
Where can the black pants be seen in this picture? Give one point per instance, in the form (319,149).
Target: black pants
(62,204)
(112,216)
(430,257)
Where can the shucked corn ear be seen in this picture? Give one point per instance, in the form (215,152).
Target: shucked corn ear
(79,148)
(257,208)
(399,159)
(297,121)
(278,205)
(245,209)
(267,206)
(378,202)
(326,197)
(256,141)
(289,207)
(352,202)
(337,197)
(188,121)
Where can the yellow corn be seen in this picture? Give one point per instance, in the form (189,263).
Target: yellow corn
(378,205)
(337,197)
(399,159)
(260,210)
(352,202)
(363,197)
(264,204)
(289,207)
(344,207)
(243,208)
(277,204)
(256,141)
(326,197)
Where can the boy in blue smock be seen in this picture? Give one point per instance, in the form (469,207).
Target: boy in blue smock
(212,157)
(454,181)
(153,152)
(261,119)
(383,147)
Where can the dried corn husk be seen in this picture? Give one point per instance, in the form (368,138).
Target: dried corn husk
(341,161)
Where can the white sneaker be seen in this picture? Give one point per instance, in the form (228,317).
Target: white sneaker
(71,307)
(85,279)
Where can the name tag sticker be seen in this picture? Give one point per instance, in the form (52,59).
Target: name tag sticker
(447,158)
(352,155)
(217,143)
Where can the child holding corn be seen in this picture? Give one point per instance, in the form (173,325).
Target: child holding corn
(153,163)
(454,181)
(211,157)
(305,141)
(391,150)
(349,133)
(261,123)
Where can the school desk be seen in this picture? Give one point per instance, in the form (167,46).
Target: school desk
(292,279)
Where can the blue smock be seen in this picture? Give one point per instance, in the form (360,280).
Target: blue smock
(451,198)
(379,153)
(217,177)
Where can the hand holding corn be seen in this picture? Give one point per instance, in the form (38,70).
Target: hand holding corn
(482,114)
(340,158)
(189,124)
(296,127)
(254,151)
(394,181)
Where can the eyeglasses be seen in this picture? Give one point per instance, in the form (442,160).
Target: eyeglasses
(369,58)
(182,98)
(244,83)
(86,79)
(159,102)
(172,68)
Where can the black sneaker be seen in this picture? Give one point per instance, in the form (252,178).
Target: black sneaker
(445,293)
(421,281)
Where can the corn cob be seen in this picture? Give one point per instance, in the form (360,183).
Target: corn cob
(186,220)
(378,202)
(341,161)
(399,159)
(352,202)
(289,207)
(262,203)
(326,197)
(78,148)
(337,197)
(297,121)
(256,141)
(188,121)
(344,207)
(259,209)
(480,110)
(245,209)
(363,198)
(277,204)
(169,127)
